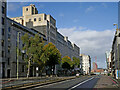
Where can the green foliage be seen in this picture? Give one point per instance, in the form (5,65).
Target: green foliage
(52,54)
(76,61)
(34,50)
(66,62)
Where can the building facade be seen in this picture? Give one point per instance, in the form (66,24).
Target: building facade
(115,53)
(109,61)
(2,37)
(32,23)
(43,23)
(86,64)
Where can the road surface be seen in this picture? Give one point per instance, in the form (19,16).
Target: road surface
(82,82)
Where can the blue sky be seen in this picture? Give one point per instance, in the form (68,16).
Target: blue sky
(96,16)
(88,24)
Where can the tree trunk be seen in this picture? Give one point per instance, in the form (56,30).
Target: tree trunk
(28,73)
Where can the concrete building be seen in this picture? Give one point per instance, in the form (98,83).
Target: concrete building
(108,61)
(32,23)
(95,66)
(2,37)
(115,53)
(86,64)
(43,23)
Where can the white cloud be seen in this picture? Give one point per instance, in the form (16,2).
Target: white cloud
(90,8)
(91,42)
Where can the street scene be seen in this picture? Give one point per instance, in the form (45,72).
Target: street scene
(59,45)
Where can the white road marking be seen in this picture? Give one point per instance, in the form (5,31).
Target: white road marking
(81,83)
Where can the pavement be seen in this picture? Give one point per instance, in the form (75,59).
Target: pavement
(106,82)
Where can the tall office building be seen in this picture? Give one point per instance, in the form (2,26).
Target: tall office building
(2,37)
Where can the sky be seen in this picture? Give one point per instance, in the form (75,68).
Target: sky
(88,24)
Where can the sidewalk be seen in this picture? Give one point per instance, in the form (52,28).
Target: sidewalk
(106,82)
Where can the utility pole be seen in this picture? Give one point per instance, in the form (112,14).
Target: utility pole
(117,47)
(18,40)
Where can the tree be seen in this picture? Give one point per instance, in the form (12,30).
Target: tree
(76,61)
(66,62)
(34,50)
(53,55)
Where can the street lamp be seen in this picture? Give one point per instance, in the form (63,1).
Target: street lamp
(117,48)
(18,40)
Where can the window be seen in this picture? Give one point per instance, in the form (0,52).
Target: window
(9,36)
(8,61)
(8,49)
(2,31)
(9,29)
(45,17)
(26,9)
(22,68)
(2,53)
(3,10)
(2,21)
(39,19)
(34,19)
(2,43)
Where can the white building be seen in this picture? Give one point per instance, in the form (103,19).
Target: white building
(86,64)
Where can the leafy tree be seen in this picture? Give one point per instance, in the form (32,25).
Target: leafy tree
(52,54)
(76,61)
(34,50)
(66,62)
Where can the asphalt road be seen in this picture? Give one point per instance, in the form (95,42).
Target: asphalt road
(81,82)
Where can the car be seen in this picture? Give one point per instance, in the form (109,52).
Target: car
(77,75)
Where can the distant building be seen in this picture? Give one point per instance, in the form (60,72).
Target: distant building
(95,66)
(86,63)
(109,61)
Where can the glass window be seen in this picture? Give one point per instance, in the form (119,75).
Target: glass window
(34,19)
(26,9)
(3,10)
(2,53)
(9,29)
(2,21)
(2,31)
(2,42)
(39,19)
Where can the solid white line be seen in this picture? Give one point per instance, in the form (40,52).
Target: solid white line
(80,83)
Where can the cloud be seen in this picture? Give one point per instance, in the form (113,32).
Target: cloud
(89,9)
(91,42)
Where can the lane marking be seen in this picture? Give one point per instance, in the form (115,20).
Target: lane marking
(81,83)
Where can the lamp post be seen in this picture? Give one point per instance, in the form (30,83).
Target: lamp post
(18,40)
(117,47)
